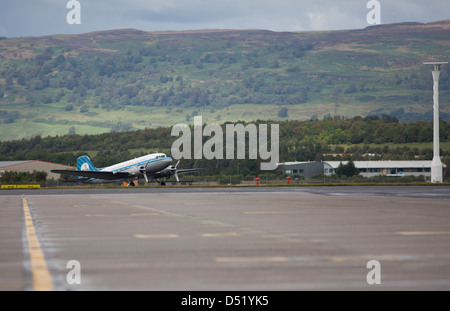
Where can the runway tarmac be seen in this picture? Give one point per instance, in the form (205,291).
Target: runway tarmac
(425,191)
(226,239)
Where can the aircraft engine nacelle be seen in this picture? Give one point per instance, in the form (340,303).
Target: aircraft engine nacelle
(135,170)
(168,172)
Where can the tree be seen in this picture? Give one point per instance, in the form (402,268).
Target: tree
(10,177)
(348,169)
(21,80)
(72,130)
(283,113)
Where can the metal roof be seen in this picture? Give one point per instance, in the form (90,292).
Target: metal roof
(11,163)
(384,164)
(294,163)
(374,164)
(5,164)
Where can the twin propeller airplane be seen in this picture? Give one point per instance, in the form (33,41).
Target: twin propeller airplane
(155,166)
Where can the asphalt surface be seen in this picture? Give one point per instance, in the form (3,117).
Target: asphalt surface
(228,239)
(426,191)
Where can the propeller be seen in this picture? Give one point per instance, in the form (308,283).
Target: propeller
(175,171)
(143,171)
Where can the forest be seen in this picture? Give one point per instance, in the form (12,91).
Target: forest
(384,138)
(113,95)
(273,75)
(123,80)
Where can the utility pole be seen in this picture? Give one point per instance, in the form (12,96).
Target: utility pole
(436,164)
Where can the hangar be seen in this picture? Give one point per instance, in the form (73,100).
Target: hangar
(366,168)
(33,165)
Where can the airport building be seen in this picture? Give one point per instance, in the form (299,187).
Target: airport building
(366,168)
(33,165)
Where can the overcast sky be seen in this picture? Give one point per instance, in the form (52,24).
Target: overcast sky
(46,17)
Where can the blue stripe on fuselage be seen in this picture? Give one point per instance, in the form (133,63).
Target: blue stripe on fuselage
(141,163)
(136,164)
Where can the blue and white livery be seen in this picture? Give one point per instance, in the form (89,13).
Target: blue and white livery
(155,166)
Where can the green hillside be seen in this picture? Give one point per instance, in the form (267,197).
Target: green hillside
(369,138)
(122,80)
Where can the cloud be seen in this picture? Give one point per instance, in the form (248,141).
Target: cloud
(335,17)
(43,17)
(282,15)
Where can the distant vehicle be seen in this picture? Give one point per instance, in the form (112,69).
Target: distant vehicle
(155,166)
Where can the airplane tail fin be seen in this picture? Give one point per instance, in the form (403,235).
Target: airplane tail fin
(84,164)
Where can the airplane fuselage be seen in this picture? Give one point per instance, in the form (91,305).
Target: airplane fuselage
(156,166)
(151,163)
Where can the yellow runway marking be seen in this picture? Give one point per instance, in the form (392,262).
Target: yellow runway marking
(423,232)
(42,279)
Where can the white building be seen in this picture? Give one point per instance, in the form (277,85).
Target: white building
(366,168)
(384,168)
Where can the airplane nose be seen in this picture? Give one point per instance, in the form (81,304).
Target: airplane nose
(167,161)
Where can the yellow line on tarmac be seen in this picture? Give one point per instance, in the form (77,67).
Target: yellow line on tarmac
(42,279)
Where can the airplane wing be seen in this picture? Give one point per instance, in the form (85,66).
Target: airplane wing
(189,170)
(94,174)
